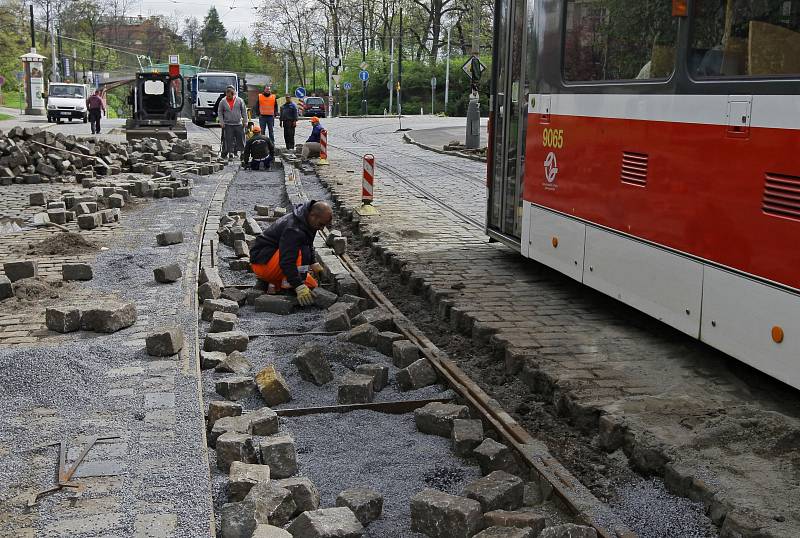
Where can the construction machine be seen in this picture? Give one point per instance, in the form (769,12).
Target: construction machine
(157,101)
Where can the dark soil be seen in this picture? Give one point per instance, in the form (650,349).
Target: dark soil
(62,244)
(36,289)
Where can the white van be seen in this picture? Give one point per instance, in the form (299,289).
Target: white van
(67,101)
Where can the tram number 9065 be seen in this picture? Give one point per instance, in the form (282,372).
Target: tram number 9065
(553,138)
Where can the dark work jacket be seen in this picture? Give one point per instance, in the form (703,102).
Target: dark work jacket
(289,112)
(290,234)
(257,148)
(315,133)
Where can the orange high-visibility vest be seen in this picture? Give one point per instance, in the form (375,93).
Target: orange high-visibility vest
(266,105)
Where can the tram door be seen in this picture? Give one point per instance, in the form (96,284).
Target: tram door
(510,112)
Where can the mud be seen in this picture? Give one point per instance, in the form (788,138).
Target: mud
(62,244)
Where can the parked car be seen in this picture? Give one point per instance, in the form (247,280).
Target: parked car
(67,101)
(314,106)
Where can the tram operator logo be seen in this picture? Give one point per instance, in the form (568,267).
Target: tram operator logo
(550,170)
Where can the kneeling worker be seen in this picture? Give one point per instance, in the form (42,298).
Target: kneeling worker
(312,146)
(283,255)
(259,149)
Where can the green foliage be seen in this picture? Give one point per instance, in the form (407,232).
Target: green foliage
(13,43)
(213,34)
(12,99)
(5,116)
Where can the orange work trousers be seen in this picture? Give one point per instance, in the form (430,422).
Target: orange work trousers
(271,272)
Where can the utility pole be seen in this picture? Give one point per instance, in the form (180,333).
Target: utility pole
(391,73)
(286,71)
(55,74)
(400,72)
(33,35)
(447,72)
(314,75)
(363,56)
(473,134)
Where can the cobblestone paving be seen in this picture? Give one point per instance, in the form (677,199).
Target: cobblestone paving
(665,397)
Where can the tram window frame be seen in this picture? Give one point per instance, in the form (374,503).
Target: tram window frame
(657,81)
(694,76)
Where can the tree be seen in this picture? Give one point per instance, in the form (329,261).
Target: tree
(13,39)
(191,33)
(213,34)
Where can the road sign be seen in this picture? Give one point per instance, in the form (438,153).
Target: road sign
(363,66)
(336,78)
(473,68)
(174,59)
(348,86)
(300,92)
(433,82)
(363,76)
(336,62)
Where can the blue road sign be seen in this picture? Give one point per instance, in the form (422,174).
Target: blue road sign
(300,92)
(363,76)
(348,86)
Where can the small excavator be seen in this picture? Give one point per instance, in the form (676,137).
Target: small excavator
(157,100)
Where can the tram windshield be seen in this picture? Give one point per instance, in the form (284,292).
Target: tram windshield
(734,38)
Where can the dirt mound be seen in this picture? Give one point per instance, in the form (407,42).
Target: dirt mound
(62,244)
(34,289)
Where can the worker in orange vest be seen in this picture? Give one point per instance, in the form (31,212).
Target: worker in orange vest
(266,110)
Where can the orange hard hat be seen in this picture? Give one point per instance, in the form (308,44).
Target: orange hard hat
(314,119)
(256,129)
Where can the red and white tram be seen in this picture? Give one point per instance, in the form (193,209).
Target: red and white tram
(650,149)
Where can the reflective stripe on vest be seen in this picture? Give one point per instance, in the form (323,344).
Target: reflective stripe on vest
(266,105)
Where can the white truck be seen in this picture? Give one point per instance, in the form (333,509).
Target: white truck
(67,101)
(206,89)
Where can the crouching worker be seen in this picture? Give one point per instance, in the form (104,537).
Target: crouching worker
(312,146)
(283,255)
(258,150)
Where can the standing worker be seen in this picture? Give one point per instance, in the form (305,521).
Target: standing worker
(288,120)
(266,109)
(283,255)
(96,108)
(233,119)
(312,146)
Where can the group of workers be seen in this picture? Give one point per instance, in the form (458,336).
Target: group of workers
(256,143)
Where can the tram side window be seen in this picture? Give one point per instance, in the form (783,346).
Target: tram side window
(742,38)
(619,40)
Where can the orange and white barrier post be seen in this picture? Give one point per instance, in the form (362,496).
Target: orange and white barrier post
(368,187)
(323,147)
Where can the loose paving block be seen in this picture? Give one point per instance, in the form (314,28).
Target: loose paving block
(332,234)
(222,322)
(235,388)
(272,386)
(262,421)
(337,321)
(366,335)
(168,273)
(116,200)
(76,271)
(324,298)
(505,532)
(568,531)
(268,531)
(210,359)
(279,452)
(218,305)
(169,238)
(227,425)
(253,294)
(327,523)
(355,388)
(339,245)
(166,342)
(89,221)
(312,365)
(520,519)
(234,363)
(237,520)
(404,353)
(209,274)
(261,210)
(235,295)
(275,304)
(209,290)
(6,289)
(380,318)
(36,198)
(235,447)
(58,216)
(17,270)
(357,303)
(494,456)
(62,319)
(440,515)
(366,503)
(304,492)
(378,372)
(242,264)
(227,342)
(436,418)
(108,317)
(219,409)
(417,375)
(273,503)
(242,478)
(385,341)
(498,490)
(241,249)
(466,435)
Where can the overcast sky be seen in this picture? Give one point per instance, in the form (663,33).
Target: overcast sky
(236,20)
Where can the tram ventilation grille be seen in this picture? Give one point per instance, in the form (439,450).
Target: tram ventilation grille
(782,196)
(634,168)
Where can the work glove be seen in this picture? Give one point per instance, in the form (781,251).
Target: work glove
(318,269)
(304,296)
